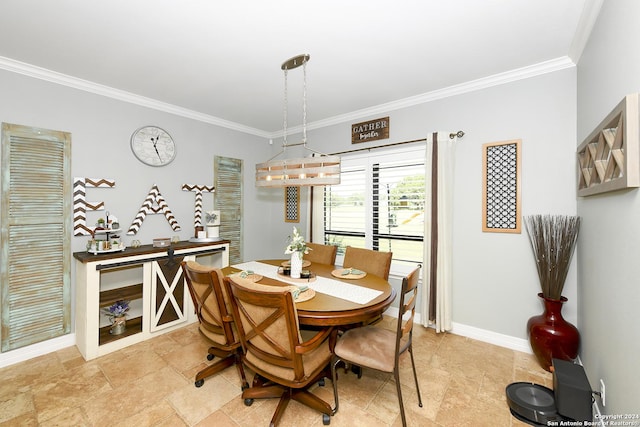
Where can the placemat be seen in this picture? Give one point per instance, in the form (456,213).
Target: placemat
(348,273)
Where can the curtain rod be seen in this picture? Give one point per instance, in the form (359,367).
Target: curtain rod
(459,134)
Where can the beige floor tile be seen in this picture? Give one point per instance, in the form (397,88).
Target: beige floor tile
(152,416)
(218,419)
(68,390)
(462,382)
(194,404)
(69,417)
(12,407)
(136,365)
(134,398)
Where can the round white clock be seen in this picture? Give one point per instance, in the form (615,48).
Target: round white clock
(153,146)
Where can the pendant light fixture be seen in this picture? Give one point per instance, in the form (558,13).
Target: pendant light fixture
(318,169)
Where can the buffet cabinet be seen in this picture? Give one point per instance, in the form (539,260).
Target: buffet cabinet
(149,279)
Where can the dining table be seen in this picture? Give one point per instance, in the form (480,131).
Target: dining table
(339,298)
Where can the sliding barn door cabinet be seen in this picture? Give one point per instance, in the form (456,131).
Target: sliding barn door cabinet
(150,279)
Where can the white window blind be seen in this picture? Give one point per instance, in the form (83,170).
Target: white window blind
(379,204)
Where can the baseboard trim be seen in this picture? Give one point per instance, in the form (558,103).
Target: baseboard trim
(483,335)
(39,349)
(29,352)
(491,337)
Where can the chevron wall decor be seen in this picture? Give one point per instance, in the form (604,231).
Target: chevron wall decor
(153,204)
(81,206)
(198,189)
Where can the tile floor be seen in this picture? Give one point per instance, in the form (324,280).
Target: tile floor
(151,384)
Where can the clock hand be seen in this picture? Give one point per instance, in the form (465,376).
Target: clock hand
(155,142)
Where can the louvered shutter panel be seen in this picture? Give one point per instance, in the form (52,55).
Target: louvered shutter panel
(36,230)
(228,200)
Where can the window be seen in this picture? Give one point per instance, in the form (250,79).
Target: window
(379,204)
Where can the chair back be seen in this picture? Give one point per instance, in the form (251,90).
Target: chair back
(373,262)
(322,254)
(267,322)
(408,298)
(211,303)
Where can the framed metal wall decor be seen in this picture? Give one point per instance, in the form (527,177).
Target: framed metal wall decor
(291,204)
(501,212)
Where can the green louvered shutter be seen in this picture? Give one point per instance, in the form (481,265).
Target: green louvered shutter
(228,200)
(35,261)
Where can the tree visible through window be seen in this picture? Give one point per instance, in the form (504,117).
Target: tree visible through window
(379,204)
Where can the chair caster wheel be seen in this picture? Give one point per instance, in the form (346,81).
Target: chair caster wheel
(210,357)
(321,382)
(199,383)
(248,402)
(326,419)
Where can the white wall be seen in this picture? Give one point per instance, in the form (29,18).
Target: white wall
(101,128)
(495,283)
(609,244)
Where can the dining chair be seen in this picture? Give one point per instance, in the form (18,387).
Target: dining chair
(285,362)
(322,254)
(373,262)
(212,306)
(380,349)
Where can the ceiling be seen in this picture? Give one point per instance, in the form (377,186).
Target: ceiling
(220,61)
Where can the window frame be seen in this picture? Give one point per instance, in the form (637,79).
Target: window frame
(389,155)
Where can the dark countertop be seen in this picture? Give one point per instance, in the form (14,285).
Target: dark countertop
(85,256)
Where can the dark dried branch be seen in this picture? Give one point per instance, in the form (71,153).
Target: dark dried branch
(553,239)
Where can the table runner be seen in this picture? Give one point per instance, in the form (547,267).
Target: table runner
(335,288)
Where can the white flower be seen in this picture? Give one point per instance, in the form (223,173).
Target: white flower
(296,243)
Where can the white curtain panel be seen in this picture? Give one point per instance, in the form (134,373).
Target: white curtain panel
(437,272)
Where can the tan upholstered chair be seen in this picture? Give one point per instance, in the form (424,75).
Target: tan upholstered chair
(380,349)
(373,262)
(212,306)
(274,349)
(322,254)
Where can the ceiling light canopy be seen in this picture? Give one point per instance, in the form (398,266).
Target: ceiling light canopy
(318,169)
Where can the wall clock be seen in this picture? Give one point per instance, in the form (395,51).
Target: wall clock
(153,146)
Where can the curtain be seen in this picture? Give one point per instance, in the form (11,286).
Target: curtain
(437,274)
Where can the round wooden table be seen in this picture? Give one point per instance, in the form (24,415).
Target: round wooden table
(326,310)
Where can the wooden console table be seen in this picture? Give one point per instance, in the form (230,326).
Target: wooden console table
(150,279)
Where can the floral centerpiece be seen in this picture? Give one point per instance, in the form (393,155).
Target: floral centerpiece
(117,315)
(297,247)
(297,244)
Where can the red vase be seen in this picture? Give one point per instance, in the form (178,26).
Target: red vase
(551,336)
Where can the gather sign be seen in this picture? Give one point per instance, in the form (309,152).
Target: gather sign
(370,131)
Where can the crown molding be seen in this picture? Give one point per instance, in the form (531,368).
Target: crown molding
(588,19)
(471,86)
(121,95)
